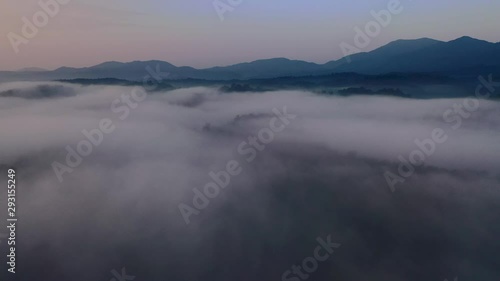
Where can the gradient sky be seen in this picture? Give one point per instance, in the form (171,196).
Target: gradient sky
(189,32)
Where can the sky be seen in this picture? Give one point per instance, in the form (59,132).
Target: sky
(190,32)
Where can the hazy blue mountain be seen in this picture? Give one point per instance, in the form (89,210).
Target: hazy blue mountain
(464,56)
(32,69)
(135,70)
(384,53)
(267,68)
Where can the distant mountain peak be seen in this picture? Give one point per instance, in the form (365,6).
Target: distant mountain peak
(274,59)
(402,46)
(270,60)
(109,64)
(469,39)
(423,39)
(32,69)
(412,42)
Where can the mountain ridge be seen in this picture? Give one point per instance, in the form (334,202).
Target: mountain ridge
(462,56)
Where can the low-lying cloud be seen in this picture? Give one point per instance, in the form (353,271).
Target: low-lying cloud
(321,176)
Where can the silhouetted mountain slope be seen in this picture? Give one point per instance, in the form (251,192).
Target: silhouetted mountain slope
(384,53)
(461,56)
(32,69)
(464,56)
(267,68)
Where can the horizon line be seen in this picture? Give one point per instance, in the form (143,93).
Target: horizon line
(42,69)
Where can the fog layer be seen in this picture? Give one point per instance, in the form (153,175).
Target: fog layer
(324,174)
